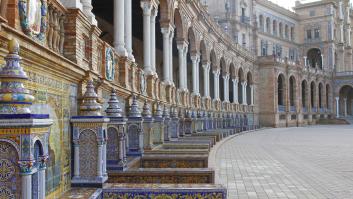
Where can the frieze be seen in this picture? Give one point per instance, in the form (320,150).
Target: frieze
(26,131)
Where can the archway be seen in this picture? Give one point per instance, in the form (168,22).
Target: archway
(314,58)
(313,96)
(280,90)
(320,96)
(203,60)
(292,91)
(248,88)
(346,100)
(37,153)
(211,76)
(231,88)
(240,86)
(304,95)
(223,72)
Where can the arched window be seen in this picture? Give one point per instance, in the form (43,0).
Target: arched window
(320,95)
(292,91)
(280,27)
(313,97)
(280,90)
(292,33)
(261,23)
(304,96)
(268,30)
(274,27)
(286,32)
(314,58)
(327,96)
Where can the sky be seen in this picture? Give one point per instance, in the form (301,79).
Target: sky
(290,3)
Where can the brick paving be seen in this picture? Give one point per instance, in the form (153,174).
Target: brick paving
(304,163)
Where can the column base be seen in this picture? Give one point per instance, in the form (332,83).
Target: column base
(121,50)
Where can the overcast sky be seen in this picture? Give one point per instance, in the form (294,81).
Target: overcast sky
(290,3)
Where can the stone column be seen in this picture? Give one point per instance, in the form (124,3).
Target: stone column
(235,90)
(26,180)
(252,93)
(41,179)
(225,88)
(166,32)
(147,8)
(153,39)
(244,84)
(87,10)
(182,67)
(185,65)
(206,68)
(171,36)
(337,107)
(215,85)
(128,29)
(198,74)
(104,159)
(119,34)
(99,160)
(76,160)
(322,61)
(345,106)
(195,73)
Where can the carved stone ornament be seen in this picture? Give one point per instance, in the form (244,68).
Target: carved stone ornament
(109,64)
(33,17)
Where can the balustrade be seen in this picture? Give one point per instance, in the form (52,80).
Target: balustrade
(56,30)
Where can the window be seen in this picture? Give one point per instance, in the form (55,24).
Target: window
(242,12)
(308,34)
(243,40)
(312,13)
(317,33)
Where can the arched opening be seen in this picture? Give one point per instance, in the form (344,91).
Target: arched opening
(248,88)
(292,92)
(191,51)
(280,27)
(320,96)
(231,87)
(178,35)
(203,58)
(328,103)
(313,96)
(212,70)
(274,27)
(292,33)
(280,91)
(314,58)
(345,101)
(113,146)
(286,31)
(304,95)
(261,23)
(37,153)
(223,72)
(268,25)
(9,158)
(240,86)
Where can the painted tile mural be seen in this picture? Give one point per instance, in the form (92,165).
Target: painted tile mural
(58,99)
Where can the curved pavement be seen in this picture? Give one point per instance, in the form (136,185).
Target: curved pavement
(304,163)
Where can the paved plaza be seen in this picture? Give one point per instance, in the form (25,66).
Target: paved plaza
(306,162)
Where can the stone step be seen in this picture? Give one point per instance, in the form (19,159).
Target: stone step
(163,176)
(174,161)
(209,191)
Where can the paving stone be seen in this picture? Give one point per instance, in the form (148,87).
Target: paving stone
(306,162)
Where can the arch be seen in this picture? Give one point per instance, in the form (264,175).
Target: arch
(304,94)
(240,86)
(280,90)
(249,80)
(261,22)
(88,145)
(179,25)
(346,100)
(313,95)
(166,10)
(314,58)
(11,178)
(274,27)
(327,97)
(268,30)
(193,49)
(320,95)
(280,28)
(286,31)
(292,91)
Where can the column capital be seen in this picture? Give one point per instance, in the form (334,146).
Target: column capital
(216,72)
(146,7)
(195,57)
(244,83)
(206,66)
(235,80)
(182,44)
(226,76)
(337,98)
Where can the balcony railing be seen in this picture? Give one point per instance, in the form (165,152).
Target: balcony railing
(245,19)
(281,108)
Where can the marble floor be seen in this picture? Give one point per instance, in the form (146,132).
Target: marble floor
(305,163)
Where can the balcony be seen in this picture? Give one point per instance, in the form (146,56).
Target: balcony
(245,20)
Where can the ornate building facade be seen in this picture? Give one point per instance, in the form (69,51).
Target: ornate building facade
(97,91)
